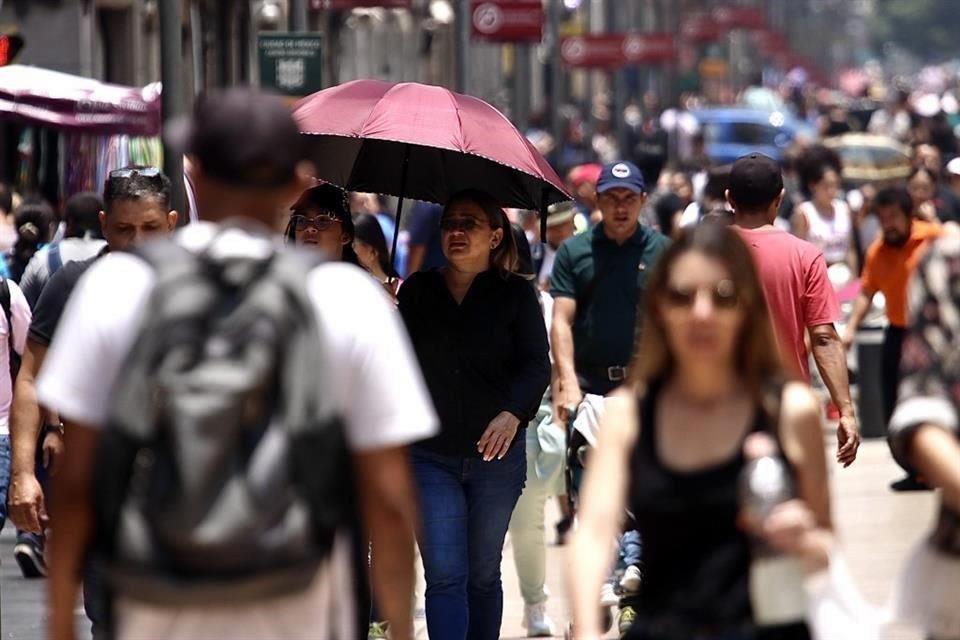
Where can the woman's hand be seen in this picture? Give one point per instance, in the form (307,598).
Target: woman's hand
(496,440)
(787,526)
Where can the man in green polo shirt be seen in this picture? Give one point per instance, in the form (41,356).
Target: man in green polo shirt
(597,282)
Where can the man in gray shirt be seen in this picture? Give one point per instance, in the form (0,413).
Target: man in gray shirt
(82,240)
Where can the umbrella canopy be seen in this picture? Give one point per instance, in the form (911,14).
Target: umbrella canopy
(63,101)
(423,142)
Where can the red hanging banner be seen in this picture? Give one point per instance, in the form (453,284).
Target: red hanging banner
(321,5)
(507,20)
(612,50)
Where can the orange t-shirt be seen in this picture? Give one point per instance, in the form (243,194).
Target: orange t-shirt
(888,269)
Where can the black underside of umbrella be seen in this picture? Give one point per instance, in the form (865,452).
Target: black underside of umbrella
(433,174)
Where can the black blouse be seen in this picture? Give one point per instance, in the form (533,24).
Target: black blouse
(485,355)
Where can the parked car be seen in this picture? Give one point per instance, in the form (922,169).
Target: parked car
(731,132)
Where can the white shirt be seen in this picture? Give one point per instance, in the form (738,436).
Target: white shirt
(378,385)
(830,235)
(20,315)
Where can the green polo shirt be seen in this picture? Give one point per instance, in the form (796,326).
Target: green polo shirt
(606,280)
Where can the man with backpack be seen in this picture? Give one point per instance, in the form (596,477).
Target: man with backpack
(203,385)
(82,239)
(137,207)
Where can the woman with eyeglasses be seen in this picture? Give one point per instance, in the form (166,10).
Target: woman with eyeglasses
(479,335)
(320,219)
(671,451)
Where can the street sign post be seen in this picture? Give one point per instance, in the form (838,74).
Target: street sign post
(507,20)
(614,50)
(291,64)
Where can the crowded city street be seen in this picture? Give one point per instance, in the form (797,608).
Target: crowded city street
(480,320)
(877,527)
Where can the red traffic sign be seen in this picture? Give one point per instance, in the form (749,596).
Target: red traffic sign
(612,50)
(321,5)
(507,20)
(770,41)
(10,45)
(733,17)
(700,27)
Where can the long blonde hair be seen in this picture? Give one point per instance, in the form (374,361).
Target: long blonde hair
(757,357)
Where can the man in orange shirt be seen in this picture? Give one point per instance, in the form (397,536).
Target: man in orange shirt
(890,262)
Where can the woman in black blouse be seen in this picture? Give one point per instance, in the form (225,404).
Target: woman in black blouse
(479,335)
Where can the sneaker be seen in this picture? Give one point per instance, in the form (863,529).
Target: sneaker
(537,622)
(628,615)
(379,631)
(910,483)
(30,559)
(608,597)
(631,579)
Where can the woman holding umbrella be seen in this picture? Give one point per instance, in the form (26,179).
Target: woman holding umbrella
(479,335)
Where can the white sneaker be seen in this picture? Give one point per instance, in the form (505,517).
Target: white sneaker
(536,621)
(608,597)
(631,579)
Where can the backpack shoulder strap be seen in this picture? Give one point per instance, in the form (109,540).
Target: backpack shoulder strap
(7,304)
(54,258)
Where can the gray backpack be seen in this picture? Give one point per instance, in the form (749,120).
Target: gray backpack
(223,474)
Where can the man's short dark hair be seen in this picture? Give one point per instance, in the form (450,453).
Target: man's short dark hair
(137,183)
(6,198)
(895,197)
(81,213)
(755,182)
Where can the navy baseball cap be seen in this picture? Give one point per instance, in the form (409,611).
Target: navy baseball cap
(621,175)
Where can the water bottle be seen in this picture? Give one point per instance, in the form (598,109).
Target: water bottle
(777,592)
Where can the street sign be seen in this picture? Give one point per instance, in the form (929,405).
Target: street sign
(291,64)
(734,17)
(321,5)
(700,27)
(507,20)
(613,50)
(770,41)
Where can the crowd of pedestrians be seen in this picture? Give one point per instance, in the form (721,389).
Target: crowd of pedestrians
(245,427)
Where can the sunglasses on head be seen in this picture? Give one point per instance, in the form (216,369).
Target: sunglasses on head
(461,224)
(145,172)
(320,221)
(723,295)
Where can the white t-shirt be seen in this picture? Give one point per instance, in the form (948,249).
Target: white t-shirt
(20,315)
(378,385)
(830,235)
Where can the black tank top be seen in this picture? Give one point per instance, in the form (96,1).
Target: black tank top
(696,561)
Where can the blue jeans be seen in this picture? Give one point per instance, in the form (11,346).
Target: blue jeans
(466,504)
(5,472)
(631,549)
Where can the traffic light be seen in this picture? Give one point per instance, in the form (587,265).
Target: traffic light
(10,46)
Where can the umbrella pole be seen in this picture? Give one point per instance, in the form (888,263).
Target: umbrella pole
(403,189)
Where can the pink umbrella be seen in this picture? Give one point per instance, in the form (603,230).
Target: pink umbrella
(423,142)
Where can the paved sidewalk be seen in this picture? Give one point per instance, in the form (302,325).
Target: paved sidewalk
(877,527)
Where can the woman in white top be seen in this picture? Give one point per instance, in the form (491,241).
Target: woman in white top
(825,219)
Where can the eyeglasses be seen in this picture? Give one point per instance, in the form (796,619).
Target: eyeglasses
(145,172)
(320,222)
(466,225)
(723,296)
